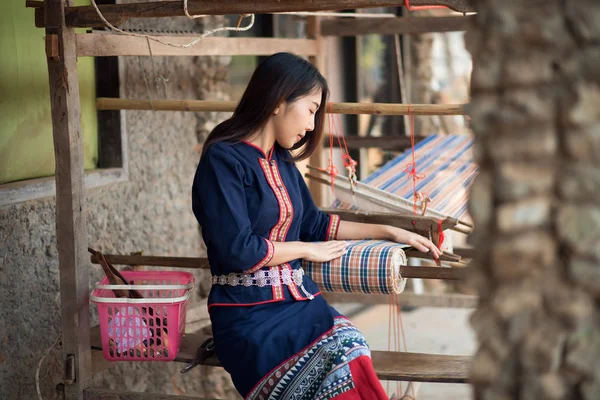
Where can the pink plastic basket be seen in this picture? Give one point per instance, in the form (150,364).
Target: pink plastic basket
(148,329)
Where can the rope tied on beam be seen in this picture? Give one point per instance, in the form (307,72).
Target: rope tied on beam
(181,46)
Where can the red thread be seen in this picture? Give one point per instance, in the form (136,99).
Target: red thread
(411,168)
(417,8)
(337,131)
(440,234)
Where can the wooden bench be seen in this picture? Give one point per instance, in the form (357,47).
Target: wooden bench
(392,366)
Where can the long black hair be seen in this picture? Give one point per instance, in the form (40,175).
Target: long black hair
(282,77)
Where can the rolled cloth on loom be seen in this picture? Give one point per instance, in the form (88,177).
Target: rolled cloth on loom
(369,266)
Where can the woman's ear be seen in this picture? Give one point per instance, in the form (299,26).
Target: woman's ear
(276,110)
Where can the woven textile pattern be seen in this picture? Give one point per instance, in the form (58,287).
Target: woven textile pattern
(319,372)
(449,169)
(369,266)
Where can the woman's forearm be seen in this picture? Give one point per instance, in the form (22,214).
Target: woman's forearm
(356,230)
(286,252)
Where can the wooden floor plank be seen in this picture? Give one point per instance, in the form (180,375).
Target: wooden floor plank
(392,366)
(419,367)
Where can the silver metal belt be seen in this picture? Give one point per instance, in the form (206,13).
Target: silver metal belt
(264,278)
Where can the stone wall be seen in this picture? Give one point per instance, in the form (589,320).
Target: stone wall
(150,212)
(536,202)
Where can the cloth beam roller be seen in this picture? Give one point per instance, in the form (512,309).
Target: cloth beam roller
(369,266)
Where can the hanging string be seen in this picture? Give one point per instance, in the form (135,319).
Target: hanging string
(396,331)
(331,168)
(411,168)
(181,46)
(417,8)
(185,10)
(146,82)
(349,163)
(410,386)
(397,323)
(158,78)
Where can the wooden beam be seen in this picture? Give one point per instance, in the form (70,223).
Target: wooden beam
(449,300)
(103,394)
(117,14)
(397,143)
(105,103)
(155,261)
(71,231)
(102,44)
(409,222)
(393,366)
(449,257)
(391,26)
(466,252)
(202,263)
(448,274)
(34,4)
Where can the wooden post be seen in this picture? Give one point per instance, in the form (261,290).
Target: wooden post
(313,31)
(71,232)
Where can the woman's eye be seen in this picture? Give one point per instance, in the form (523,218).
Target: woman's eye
(312,112)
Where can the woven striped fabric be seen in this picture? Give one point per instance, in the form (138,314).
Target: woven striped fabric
(449,168)
(369,266)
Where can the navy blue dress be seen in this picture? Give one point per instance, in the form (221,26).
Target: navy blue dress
(244,201)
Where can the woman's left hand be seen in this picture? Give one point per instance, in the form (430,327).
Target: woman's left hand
(419,242)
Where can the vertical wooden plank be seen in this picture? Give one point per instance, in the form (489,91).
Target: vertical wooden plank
(313,31)
(71,232)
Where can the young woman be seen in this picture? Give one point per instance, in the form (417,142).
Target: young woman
(273,332)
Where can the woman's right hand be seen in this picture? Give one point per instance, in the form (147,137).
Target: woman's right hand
(325,251)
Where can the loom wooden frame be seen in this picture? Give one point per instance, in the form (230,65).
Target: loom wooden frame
(117,14)
(106,103)
(202,263)
(59,18)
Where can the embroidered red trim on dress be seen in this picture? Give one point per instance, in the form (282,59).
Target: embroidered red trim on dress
(249,304)
(266,259)
(286,201)
(292,286)
(332,229)
(261,150)
(274,235)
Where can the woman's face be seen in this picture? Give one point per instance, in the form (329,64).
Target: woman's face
(293,120)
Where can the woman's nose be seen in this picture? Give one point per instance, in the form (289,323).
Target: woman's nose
(311,124)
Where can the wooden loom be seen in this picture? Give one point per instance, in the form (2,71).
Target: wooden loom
(63,46)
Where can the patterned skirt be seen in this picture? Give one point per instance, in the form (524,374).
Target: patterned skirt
(294,350)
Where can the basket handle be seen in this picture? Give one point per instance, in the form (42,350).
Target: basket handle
(144,287)
(145,301)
